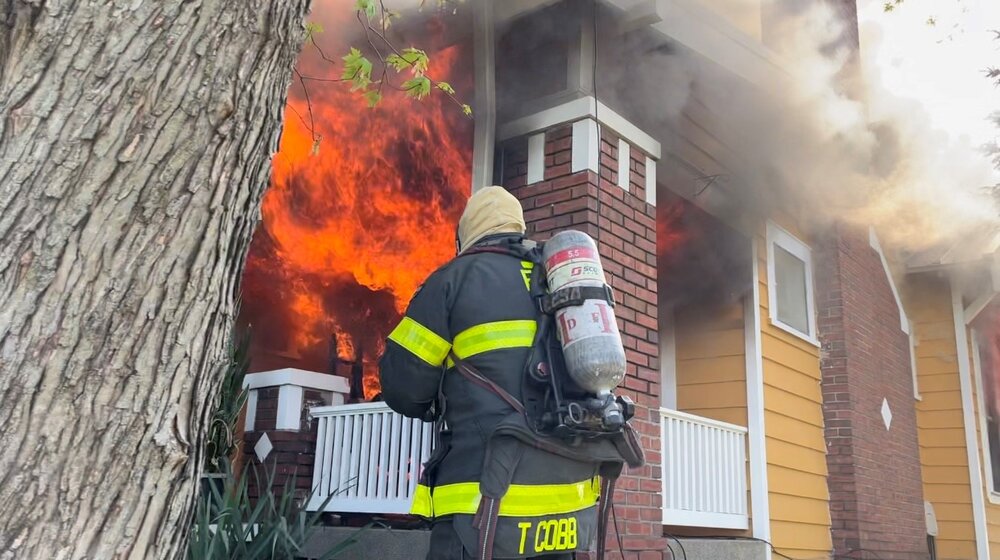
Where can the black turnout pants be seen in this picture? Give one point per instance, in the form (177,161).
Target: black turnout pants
(445,545)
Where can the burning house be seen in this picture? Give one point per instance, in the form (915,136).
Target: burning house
(777,342)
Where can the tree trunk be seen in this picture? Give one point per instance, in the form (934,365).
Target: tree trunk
(135,146)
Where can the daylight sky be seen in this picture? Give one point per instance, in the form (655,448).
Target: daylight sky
(940,65)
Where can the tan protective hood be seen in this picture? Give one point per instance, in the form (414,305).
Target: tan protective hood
(490,210)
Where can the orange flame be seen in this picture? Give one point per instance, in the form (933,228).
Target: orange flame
(350,232)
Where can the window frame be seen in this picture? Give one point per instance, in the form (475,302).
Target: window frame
(776,235)
(912,336)
(992,493)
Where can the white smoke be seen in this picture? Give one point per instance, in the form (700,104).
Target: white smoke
(824,139)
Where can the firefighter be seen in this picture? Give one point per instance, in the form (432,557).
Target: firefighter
(487,488)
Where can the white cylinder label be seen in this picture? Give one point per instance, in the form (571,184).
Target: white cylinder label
(580,265)
(575,272)
(580,322)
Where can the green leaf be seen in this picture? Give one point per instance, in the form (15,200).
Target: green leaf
(366,6)
(389,16)
(417,59)
(313,28)
(397,62)
(414,59)
(373,97)
(467,110)
(445,87)
(357,69)
(418,87)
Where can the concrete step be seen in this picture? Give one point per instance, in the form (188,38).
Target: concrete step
(717,549)
(398,544)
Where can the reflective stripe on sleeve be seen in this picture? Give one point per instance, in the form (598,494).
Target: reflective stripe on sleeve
(420,341)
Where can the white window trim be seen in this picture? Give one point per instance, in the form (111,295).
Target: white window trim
(913,362)
(991,492)
(776,235)
(904,321)
(969,425)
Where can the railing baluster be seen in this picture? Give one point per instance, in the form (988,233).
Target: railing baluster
(393,464)
(374,459)
(383,455)
(320,487)
(414,467)
(338,452)
(364,459)
(405,458)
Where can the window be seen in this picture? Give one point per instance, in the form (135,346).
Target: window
(988,345)
(790,284)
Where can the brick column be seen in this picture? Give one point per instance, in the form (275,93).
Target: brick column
(576,187)
(876,494)
(279,435)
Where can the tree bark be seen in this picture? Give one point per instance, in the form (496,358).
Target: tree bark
(135,146)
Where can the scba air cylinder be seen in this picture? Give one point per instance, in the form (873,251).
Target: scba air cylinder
(591,343)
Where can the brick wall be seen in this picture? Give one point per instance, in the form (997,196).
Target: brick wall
(876,496)
(293,453)
(624,224)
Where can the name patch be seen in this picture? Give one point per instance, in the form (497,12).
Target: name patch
(548,536)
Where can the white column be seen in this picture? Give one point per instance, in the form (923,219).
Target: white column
(760,509)
(289,408)
(624,163)
(586,146)
(536,158)
(485,96)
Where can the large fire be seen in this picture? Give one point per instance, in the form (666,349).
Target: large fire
(351,230)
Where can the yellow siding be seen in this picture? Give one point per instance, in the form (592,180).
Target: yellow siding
(796,449)
(711,363)
(943,458)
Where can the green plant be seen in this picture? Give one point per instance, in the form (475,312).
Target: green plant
(221,442)
(228,524)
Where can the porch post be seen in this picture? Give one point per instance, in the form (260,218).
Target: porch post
(760,510)
(484,40)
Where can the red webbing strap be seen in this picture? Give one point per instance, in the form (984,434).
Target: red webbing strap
(470,373)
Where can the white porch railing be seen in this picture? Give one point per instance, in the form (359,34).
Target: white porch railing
(704,472)
(368,458)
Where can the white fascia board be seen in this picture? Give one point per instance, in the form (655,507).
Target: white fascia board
(299,377)
(576,110)
(904,322)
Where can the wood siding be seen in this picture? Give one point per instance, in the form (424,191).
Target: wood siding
(711,363)
(793,420)
(943,459)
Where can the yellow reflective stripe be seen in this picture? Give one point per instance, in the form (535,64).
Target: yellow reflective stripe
(548,499)
(422,504)
(522,500)
(462,497)
(420,341)
(494,336)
